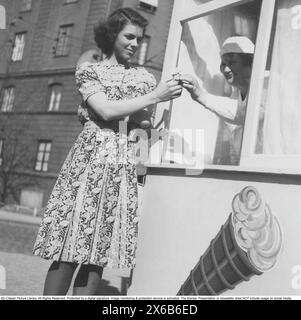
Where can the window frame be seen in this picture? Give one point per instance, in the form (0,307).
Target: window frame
(23,33)
(51,88)
(26,9)
(66,47)
(145,6)
(66,2)
(44,153)
(249,161)
(13,88)
(289,164)
(146,39)
(1,151)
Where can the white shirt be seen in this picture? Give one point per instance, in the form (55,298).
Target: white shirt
(233,111)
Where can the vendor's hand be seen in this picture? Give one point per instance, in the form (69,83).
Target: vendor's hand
(167,90)
(191,84)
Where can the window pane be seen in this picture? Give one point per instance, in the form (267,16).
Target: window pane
(279,130)
(55,98)
(153,3)
(5,100)
(63,40)
(1,151)
(57,101)
(18,47)
(40,156)
(46,157)
(149,5)
(38,166)
(224,77)
(52,98)
(42,147)
(48,147)
(45,167)
(143,51)
(43,156)
(26,5)
(11,98)
(8,99)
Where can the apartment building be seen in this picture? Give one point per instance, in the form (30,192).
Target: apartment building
(40,46)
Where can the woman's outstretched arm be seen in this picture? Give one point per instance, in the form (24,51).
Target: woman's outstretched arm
(110,110)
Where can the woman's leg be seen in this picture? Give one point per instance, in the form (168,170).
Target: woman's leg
(87,280)
(58,278)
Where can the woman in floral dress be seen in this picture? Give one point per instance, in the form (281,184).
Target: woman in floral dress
(91,219)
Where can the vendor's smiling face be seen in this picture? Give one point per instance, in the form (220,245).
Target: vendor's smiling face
(235,69)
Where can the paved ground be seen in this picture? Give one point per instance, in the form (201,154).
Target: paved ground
(25,276)
(25,273)
(17,237)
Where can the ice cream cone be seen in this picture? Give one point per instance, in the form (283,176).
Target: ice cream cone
(232,258)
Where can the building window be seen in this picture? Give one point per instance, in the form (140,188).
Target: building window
(142,51)
(1,151)
(43,155)
(63,40)
(55,97)
(70,1)
(148,5)
(8,99)
(26,5)
(18,47)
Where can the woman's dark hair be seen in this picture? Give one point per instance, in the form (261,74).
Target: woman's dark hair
(105,33)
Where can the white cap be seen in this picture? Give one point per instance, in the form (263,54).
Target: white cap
(238,44)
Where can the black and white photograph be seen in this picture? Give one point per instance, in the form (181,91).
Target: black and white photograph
(150,148)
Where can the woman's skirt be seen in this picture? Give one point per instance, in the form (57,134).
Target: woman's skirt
(92,216)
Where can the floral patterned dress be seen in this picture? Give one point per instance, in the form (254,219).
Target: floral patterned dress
(92,216)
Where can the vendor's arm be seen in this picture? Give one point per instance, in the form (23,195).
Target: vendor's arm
(224,107)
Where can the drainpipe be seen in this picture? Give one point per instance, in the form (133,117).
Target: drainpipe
(108,8)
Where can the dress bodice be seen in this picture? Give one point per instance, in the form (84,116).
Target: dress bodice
(116,81)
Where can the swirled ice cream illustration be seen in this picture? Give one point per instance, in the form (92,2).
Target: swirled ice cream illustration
(257,230)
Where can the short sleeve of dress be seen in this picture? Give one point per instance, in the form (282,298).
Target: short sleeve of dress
(87,81)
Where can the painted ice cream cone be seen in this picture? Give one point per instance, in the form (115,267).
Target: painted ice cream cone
(247,244)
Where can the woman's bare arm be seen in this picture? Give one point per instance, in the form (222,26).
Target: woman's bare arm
(110,110)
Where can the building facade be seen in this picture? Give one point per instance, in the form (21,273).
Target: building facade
(40,46)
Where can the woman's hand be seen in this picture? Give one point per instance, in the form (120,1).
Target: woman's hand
(191,84)
(167,90)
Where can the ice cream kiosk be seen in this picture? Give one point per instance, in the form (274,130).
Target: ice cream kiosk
(210,225)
